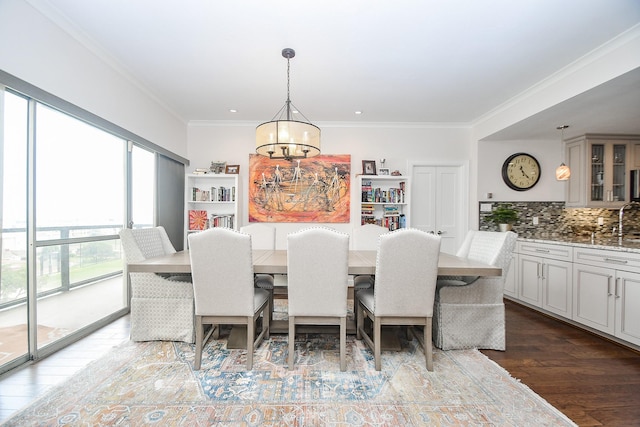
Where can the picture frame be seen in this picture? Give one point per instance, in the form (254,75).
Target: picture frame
(384,171)
(232,169)
(217,167)
(368,167)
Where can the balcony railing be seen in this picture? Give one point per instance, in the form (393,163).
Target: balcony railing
(67,257)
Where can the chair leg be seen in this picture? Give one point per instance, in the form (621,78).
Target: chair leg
(216,332)
(271,306)
(359,319)
(292,336)
(251,333)
(428,344)
(376,343)
(199,343)
(343,344)
(266,320)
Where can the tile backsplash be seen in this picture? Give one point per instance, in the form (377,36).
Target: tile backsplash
(555,220)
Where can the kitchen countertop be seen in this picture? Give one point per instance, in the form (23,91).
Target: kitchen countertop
(608,243)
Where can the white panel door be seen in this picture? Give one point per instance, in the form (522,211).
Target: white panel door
(436,205)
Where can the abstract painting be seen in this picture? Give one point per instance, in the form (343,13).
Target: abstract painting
(317,189)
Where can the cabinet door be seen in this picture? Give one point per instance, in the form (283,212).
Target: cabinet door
(529,279)
(607,173)
(510,282)
(593,302)
(627,297)
(557,285)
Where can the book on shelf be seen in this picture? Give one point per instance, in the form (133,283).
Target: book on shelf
(389,210)
(224,220)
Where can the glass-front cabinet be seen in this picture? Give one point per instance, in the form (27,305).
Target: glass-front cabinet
(600,170)
(608,172)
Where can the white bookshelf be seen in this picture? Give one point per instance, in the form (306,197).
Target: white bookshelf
(211,200)
(384,200)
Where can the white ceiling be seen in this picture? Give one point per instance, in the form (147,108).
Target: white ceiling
(422,61)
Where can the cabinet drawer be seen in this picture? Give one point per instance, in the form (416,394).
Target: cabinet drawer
(618,260)
(559,252)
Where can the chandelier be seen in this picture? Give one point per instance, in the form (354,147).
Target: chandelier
(286,138)
(562,172)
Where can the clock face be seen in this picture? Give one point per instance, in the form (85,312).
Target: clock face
(521,171)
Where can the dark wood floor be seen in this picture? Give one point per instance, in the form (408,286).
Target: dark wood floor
(591,380)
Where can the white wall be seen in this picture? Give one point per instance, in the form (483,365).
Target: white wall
(398,145)
(35,50)
(491,156)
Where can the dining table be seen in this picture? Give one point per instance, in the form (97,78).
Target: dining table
(274,261)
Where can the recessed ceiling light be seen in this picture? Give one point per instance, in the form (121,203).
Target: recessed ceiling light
(233,110)
(358,112)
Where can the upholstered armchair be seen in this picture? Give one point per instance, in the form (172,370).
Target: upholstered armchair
(161,305)
(406,274)
(317,266)
(222,269)
(469,311)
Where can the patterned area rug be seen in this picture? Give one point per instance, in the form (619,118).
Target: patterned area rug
(154,383)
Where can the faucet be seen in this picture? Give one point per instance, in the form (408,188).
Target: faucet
(620,217)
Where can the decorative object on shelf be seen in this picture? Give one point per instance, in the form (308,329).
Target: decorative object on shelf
(384,171)
(504,215)
(200,171)
(562,172)
(198,220)
(232,169)
(314,190)
(396,173)
(217,167)
(286,138)
(521,171)
(368,167)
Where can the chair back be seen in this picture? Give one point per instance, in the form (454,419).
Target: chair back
(490,247)
(365,237)
(262,236)
(406,273)
(222,272)
(144,243)
(317,270)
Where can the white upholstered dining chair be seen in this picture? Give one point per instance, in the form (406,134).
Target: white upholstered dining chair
(317,267)
(365,238)
(222,270)
(406,274)
(161,305)
(469,311)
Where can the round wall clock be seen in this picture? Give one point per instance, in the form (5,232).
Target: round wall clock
(521,171)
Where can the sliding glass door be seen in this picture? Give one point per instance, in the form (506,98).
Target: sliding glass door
(66,193)
(70,180)
(80,197)
(14,345)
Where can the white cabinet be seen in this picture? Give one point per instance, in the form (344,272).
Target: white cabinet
(544,276)
(600,166)
(211,201)
(607,292)
(384,200)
